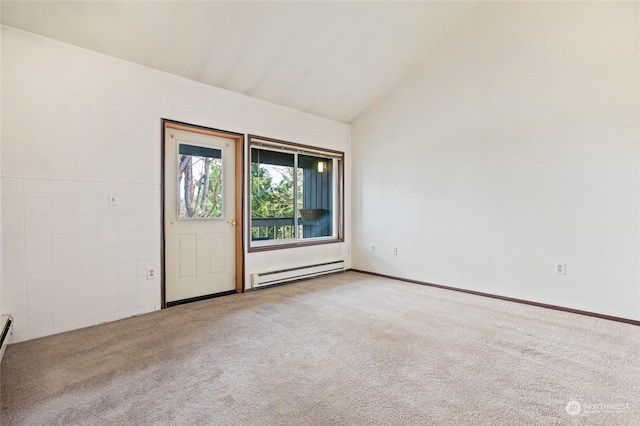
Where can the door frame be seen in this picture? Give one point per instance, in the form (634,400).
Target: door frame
(238,138)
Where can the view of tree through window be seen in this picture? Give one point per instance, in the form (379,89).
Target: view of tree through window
(200,174)
(292,195)
(272,193)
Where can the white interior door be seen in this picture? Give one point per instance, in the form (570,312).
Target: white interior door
(200,216)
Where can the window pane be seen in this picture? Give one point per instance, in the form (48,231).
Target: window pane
(200,174)
(272,201)
(315,196)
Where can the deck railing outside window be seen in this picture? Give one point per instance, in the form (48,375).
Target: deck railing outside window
(272,228)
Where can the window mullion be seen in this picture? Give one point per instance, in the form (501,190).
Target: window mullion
(295,197)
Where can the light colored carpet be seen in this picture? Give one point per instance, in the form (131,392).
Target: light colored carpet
(348,349)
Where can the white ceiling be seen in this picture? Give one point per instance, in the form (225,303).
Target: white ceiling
(332,59)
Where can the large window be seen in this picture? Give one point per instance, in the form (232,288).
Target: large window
(296,194)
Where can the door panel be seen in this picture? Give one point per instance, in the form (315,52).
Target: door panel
(216,252)
(187,255)
(199,211)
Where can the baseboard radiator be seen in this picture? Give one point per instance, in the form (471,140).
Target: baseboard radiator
(295,274)
(6,328)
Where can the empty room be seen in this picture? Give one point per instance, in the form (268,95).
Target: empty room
(319,213)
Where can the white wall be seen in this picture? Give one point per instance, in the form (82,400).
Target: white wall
(512,147)
(79,125)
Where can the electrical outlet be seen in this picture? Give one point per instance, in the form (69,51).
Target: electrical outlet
(373,249)
(151,273)
(394,251)
(561,268)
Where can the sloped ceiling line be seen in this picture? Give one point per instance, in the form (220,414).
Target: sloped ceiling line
(331,59)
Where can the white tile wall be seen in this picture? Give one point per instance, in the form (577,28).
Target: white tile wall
(71,260)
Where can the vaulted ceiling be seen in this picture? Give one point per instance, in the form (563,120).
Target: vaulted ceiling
(332,59)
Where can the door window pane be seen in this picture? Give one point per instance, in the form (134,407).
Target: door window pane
(200,182)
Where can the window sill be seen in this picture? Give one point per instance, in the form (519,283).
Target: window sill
(289,245)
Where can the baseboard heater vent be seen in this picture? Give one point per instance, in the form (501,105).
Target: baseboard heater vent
(295,274)
(6,328)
